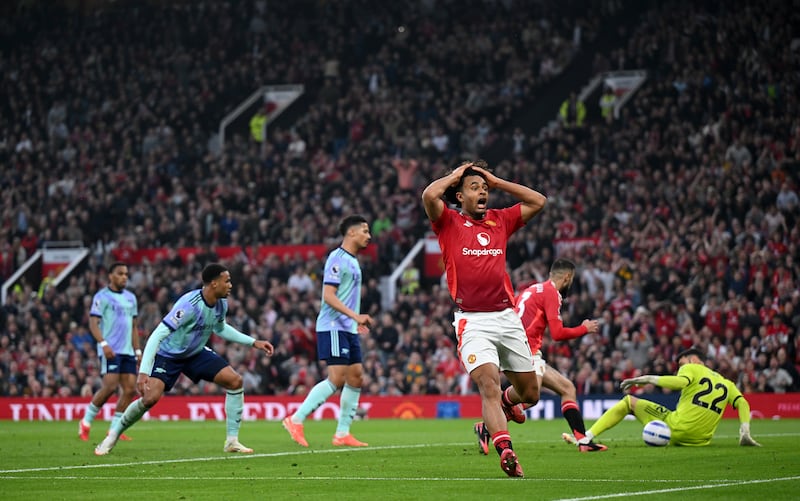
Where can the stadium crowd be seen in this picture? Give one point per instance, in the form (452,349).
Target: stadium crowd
(689,199)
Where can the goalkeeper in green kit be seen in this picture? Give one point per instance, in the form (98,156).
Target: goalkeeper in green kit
(704,395)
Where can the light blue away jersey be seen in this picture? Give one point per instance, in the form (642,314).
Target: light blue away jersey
(116,311)
(191,322)
(343,271)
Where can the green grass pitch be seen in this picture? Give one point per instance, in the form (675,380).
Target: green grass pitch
(406,459)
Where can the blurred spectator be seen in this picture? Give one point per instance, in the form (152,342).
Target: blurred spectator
(300,281)
(777,377)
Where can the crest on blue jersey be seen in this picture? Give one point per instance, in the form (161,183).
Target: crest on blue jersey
(335,270)
(177,316)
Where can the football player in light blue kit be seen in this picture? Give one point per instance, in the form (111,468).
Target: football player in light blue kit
(112,322)
(178,345)
(338,326)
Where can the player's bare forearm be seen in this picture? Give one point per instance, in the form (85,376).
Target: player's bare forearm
(433,204)
(532,201)
(436,189)
(94,329)
(432,195)
(135,337)
(332,300)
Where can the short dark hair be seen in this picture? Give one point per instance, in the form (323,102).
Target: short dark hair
(115,265)
(691,351)
(350,221)
(212,271)
(450,192)
(562,265)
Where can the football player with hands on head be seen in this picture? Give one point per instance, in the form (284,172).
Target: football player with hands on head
(490,335)
(178,346)
(704,395)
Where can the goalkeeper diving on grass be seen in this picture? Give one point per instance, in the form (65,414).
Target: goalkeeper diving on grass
(704,395)
(178,346)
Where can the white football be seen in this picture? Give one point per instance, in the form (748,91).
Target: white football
(656,433)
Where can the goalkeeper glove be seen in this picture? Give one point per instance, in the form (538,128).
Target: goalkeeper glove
(637,381)
(744,436)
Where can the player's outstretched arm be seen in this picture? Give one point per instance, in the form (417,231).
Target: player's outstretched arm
(671,382)
(433,193)
(230,333)
(532,201)
(626,384)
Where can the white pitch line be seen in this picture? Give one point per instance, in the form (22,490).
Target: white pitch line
(238,478)
(681,489)
(221,458)
(358,479)
(427,479)
(285,453)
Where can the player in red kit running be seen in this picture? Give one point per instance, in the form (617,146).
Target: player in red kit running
(490,334)
(539,308)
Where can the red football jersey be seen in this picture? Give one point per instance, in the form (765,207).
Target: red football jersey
(474,255)
(539,307)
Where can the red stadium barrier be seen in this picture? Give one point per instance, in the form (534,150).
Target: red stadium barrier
(764,405)
(256,408)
